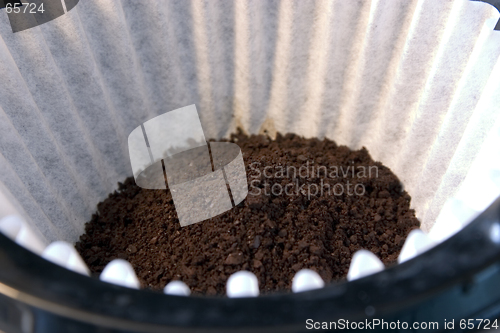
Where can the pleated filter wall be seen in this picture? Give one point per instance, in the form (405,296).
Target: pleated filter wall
(415,81)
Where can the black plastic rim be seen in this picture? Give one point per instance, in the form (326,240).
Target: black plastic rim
(456,279)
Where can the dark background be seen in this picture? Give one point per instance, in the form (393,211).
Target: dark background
(495,3)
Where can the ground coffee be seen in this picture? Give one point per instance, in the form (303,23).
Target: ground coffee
(311,204)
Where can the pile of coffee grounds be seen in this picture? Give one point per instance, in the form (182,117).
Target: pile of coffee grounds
(286,223)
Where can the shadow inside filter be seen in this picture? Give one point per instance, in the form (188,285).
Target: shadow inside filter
(263,52)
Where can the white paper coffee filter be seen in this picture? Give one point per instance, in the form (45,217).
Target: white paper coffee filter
(414,81)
